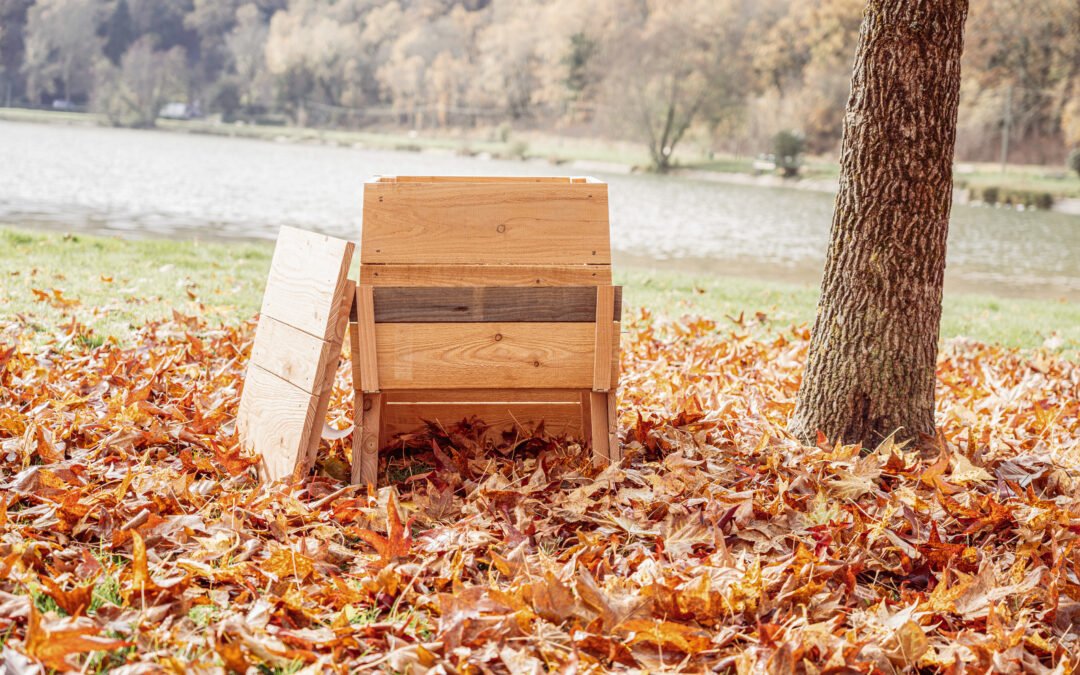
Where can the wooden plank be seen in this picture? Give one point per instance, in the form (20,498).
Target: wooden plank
(276,419)
(558,418)
(605,297)
(598,409)
(482,396)
(308,275)
(478,304)
(585,397)
(367,430)
(477,179)
(485,275)
(614,449)
(476,223)
(292,354)
(365,312)
(486,355)
(327,379)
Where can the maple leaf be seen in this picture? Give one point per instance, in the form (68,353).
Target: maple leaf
(52,647)
(234,459)
(399,537)
(667,634)
(75,602)
(940,555)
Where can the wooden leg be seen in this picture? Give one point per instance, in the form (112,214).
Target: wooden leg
(614,449)
(598,411)
(586,418)
(368,427)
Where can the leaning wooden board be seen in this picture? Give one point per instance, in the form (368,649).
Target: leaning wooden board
(295,352)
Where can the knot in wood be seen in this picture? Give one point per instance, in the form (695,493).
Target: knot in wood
(536,364)
(501,227)
(367,404)
(498,336)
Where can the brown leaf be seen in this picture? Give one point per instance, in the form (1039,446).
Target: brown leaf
(53,647)
(398,540)
(75,602)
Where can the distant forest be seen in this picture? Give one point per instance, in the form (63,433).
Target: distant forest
(729,73)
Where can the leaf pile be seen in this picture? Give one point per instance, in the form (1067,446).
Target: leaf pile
(135,537)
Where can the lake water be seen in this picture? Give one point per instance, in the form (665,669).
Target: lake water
(147,183)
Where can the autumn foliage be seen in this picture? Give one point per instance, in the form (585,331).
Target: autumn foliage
(134,535)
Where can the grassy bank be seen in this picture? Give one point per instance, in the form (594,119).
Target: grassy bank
(114,285)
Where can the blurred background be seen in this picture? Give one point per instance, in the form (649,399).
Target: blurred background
(717,123)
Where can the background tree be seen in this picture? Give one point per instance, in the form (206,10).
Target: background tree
(871,366)
(61,48)
(12,21)
(133,93)
(674,64)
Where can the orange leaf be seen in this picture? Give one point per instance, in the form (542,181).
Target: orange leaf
(398,540)
(52,647)
(667,634)
(233,461)
(75,602)
(284,563)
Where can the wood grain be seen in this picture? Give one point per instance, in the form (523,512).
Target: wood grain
(482,396)
(585,397)
(367,432)
(475,179)
(614,449)
(368,341)
(484,275)
(478,223)
(292,354)
(558,418)
(598,413)
(278,420)
(605,298)
(308,275)
(486,355)
(491,304)
(327,381)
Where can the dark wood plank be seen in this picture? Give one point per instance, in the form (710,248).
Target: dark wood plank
(489,304)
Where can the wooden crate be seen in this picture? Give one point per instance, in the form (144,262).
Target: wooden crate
(489,297)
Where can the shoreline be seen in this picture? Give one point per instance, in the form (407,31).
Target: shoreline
(609,157)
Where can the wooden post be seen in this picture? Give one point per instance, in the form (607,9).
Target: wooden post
(586,417)
(368,425)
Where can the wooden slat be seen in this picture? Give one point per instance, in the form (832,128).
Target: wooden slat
(605,299)
(486,355)
(558,418)
(308,275)
(366,351)
(327,380)
(485,275)
(477,179)
(367,428)
(482,396)
(491,304)
(614,449)
(598,412)
(477,223)
(585,396)
(292,354)
(278,420)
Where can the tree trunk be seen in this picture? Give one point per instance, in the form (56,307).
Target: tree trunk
(871,365)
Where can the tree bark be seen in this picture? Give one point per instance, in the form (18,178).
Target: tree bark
(871,365)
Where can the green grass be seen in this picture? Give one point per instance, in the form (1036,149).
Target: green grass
(152,277)
(1005,321)
(118,285)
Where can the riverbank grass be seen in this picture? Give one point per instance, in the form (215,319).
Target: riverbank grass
(114,285)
